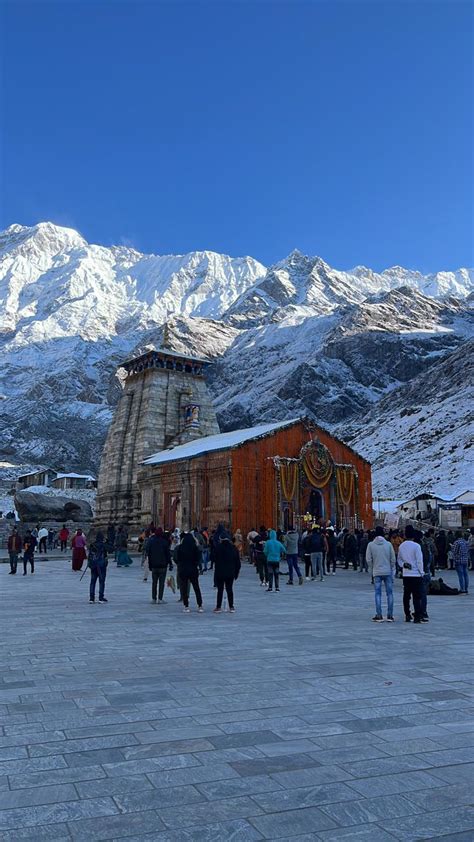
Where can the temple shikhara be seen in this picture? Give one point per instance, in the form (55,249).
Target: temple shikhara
(166,462)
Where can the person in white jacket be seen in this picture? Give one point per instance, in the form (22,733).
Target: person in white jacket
(410,559)
(381,561)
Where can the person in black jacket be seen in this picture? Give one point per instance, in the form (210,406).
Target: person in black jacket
(227,569)
(159,560)
(188,559)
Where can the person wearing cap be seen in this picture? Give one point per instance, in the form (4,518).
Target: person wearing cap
(227,568)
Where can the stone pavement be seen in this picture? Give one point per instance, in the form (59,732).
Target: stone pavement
(294,718)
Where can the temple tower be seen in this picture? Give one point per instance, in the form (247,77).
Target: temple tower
(164,403)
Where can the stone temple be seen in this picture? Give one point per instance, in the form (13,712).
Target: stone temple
(165,461)
(164,403)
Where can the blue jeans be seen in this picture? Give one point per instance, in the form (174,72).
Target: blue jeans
(293,565)
(388,582)
(463,576)
(100,574)
(317,565)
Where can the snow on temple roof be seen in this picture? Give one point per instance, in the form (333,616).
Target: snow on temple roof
(222,441)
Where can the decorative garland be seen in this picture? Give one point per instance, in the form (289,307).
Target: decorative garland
(345,484)
(317,464)
(289,479)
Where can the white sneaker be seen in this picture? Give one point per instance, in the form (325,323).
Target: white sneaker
(200,610)
(307,578)
(162,602)
(334,573)
(186,610)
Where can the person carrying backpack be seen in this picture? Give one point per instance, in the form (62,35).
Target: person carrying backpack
(97,562)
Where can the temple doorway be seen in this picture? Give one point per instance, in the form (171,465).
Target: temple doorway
(315,504)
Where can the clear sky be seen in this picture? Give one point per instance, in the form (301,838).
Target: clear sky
(343,129)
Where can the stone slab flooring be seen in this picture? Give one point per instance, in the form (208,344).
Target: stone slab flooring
(294,718)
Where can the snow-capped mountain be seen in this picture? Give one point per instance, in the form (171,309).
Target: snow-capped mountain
(299,337)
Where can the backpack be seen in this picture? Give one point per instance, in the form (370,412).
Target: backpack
(96,555)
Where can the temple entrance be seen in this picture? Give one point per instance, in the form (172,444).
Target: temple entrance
(315,504)
(173,510)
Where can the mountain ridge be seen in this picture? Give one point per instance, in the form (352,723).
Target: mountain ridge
(298,335)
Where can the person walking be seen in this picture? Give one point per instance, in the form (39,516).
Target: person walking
(461,561)
(14,545)
(42,538)
(29,545)
(188,559)
(63,535)
(470,542)
(316,547)
(227,569)
(332,549)
(78,545)
(260,558)
(290,542)
(410,558)
(97,562)
(273,551)
(159,560)
(351,551)
(381,564)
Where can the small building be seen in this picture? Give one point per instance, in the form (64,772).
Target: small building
(282,474)
(41,476)
(466,501)
(74,481)
(423,507)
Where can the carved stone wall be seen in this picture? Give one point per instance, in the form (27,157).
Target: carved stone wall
(151,416)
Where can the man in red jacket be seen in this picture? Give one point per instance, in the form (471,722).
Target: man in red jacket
(15,545)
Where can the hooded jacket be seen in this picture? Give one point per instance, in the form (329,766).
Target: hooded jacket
(291,542)
(227,560)
(380,557)
(273,549)
(158,551)
(188,556)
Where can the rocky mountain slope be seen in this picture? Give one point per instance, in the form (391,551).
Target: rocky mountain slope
(299,337)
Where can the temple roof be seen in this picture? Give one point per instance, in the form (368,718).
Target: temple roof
(165,352)
(222,441)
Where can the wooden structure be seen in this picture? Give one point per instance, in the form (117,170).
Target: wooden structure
(42,476)
(73,480)
(273,474)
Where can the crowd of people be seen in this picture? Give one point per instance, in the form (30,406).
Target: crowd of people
(308,555)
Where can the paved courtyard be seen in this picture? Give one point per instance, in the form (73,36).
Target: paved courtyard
(294,718)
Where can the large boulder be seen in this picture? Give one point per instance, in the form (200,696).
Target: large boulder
(32,506)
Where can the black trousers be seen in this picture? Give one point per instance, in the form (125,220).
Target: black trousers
(331,559)
(261,564)
(228,585)
(273,573)
(63,546)
(42,545)
(158,575)
(31,559)
(307,566)
(185,582)
(413,587)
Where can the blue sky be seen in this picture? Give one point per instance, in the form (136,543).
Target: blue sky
(340,128)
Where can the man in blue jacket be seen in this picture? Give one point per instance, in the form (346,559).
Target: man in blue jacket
(273,551)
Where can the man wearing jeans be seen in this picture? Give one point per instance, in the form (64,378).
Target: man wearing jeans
(290,541)
(316,547)
(380,557)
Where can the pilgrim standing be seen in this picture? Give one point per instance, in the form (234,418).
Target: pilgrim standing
(79,553)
